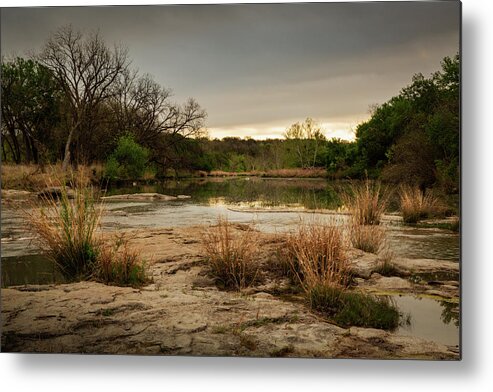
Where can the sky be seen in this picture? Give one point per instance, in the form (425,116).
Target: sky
(258,68)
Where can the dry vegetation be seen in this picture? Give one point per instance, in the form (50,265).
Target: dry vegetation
(368,238)
(317,258)
(120,264)
(417,205)
(367,202)
(66,228)
(231,256)
(36,177)
(316,255)
(316,172)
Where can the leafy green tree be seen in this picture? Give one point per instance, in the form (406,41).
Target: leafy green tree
(415,135)
(31,110)
(128,161)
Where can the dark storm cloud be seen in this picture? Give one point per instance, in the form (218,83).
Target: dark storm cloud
(268,63)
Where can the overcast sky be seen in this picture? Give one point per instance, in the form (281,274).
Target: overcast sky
(256,69)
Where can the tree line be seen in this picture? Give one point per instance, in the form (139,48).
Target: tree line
(79,101)
(74,100)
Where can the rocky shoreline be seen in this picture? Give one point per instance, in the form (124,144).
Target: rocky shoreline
(182,312)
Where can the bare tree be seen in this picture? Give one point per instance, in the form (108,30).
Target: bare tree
(144,107)
(86,69)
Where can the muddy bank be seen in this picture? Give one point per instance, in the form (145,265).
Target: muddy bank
(182,312)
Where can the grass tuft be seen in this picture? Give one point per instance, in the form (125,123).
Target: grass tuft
(354,309)
(316,255)
(121,265)
(368,238)
(231,256)
(385,265)
(417,205)
(367,202)
(66,227)
(66,223)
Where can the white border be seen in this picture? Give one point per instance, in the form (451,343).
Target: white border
(473,373)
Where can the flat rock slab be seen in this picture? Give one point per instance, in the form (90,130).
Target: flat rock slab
(144,196)
(176,316)
(14,194)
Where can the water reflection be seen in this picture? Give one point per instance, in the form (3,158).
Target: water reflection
(429,319)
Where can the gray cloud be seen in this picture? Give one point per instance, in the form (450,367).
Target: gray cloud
(267,63)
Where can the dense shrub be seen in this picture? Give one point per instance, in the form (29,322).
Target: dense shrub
(128,160)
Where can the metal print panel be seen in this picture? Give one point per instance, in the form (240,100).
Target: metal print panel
(262,180)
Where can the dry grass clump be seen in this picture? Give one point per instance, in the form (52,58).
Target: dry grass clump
(66,225)
(313,172)
(417,205)
(368,238)
(367,201)
(121,265)
(316,255)
(231,255)
(35,178)
(65,228)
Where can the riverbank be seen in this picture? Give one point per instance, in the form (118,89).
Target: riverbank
(182,312)
(35,178)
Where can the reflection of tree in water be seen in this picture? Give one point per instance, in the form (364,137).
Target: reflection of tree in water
(311,194)
(450,312)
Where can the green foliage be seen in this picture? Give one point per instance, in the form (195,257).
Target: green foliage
(414,137)
(31,111)
(354,309)
(128,161)
(339,157)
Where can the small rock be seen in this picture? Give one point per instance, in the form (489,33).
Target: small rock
(263,295)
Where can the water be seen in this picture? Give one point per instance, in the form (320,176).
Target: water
(28,269)
(310,193)
(430,319)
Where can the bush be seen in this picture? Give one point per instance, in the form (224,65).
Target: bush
(367,202)
(231,256)
(316,255)
(65,226)
(353,309)
(417,205)
(128,161)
